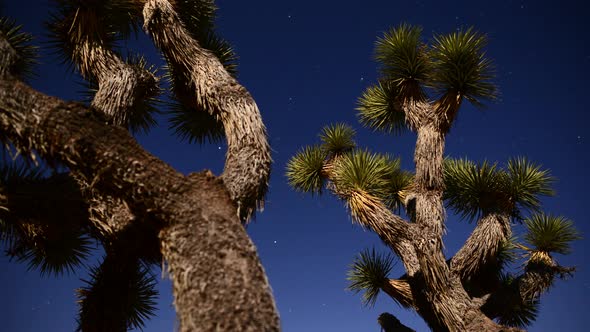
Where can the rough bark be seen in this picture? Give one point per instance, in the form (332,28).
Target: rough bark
(247,164)
(482,245)
(110,159)
(372,213)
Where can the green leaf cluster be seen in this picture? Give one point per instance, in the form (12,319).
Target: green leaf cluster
(452,67)
(549,233)
(368,273)
(304,170)
(20,42)
(473,189)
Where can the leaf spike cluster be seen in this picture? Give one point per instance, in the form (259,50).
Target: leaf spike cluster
(338,138)
(368,273)
(377,109)
(305,169)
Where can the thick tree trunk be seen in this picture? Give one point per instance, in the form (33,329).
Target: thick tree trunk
(112,160)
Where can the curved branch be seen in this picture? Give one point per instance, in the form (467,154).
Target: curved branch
(195,213)
(482,245)
(371,212)
(247,164)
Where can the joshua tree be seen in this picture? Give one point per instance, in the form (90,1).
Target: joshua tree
(99,183)
(421,88)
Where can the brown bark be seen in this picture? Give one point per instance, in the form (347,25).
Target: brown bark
(117,165)
(482,245)
(372,213)
(247,164)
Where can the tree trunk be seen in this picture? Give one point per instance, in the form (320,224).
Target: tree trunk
(112,160)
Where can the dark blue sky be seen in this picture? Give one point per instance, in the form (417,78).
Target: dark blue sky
(306,62)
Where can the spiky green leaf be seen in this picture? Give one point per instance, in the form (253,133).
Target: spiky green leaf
(527,182)
(304,170)
(548,233)
(373,173)
(119,294)
(513,311)
(21,43)
(377,109)
(368,273)
(403,58)
(338,138)
(460,66)
(473,189)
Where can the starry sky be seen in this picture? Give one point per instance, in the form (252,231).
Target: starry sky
(306,62)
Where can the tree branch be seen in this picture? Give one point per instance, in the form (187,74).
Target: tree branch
(111,160)
(482,245)
(247,165)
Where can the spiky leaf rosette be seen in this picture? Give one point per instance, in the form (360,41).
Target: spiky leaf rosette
(49,250)
(550,234)
(403,59)
(338,138)
(20,42)
(474,189)
(368,273)
(377,109)
(35,227)
(120,295)
(460,67)
(304,170)
(527,182)
(512,310)
(372,173)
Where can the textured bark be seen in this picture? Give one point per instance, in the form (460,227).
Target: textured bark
(247,164)
(401,291)
(372,213)
(482,246)
(110,159)
(447,305)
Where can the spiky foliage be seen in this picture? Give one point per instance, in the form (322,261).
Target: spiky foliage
(527,182)
(403,59)
(372,173)
(550,234)
(377,109)
(188,121)
(460,66)
(512,310)
(119,294)
(76,22)
(473,189)
(49,242)
(368,273)
(304,170)
(48,249)
(20,42)
(476,188)
(338,138)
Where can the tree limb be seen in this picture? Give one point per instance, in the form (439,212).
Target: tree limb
(198,206)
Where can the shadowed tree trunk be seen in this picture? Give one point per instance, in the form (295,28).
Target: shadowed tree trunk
(224,264)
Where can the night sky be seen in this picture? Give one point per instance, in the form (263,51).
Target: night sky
(306,62)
